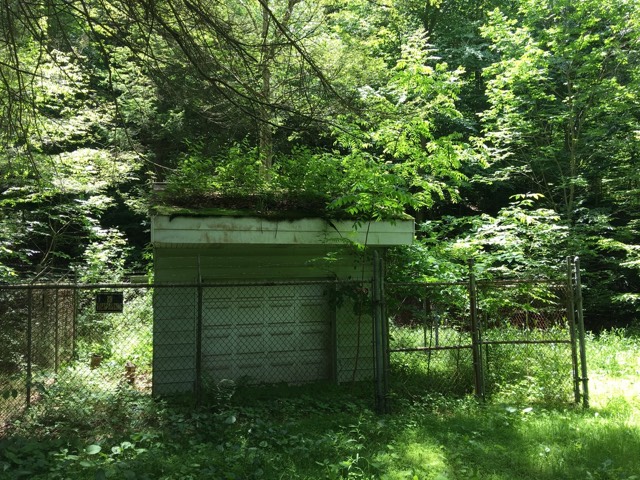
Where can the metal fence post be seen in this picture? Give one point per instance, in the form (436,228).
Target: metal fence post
(571,318)
(380,339)
(385,332)
(475,334)
(29,343)
(56,347)
(74,321)
(581,336)
(198,359)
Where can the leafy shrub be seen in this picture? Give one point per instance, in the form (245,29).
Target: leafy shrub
(355,185)
(193,175)
(306,171)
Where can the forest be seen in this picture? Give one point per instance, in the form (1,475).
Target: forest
(509,130)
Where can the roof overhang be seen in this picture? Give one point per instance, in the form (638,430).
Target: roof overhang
(180,231)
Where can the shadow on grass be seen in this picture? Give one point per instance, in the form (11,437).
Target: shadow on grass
(324,431)
(495,441)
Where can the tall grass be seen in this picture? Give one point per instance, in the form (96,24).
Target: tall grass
(539,372)
(331,432)
(414,373)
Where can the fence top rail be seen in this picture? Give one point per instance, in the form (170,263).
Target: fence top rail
(69,286)
(231,283)
(553,282)
(426,284)
(483,283)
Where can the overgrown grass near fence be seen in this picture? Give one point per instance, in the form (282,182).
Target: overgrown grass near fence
(117,338)
(332,433)
(415,373)
(540,372)
(56,363)
(529,372)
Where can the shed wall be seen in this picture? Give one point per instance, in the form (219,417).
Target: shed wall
(175,310)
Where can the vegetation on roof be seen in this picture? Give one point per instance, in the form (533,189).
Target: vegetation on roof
(221,205)
(301,184)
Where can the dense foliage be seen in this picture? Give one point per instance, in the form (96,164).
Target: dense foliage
(510,130)
(77,430)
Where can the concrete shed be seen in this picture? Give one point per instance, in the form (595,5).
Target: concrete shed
(275,303)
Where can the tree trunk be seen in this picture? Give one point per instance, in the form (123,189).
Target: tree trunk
(265,132)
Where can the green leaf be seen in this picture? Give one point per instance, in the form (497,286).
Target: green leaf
(93,449)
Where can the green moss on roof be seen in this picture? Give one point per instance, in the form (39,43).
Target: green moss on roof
(215,204)
(274,206)
(173,211)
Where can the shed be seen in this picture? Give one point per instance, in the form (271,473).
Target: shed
(265,301)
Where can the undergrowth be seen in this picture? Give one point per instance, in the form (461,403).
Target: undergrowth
(331,432)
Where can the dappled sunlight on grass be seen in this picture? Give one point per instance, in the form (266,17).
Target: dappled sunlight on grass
(604,389)
(331,432)
(413,454)
(507,441)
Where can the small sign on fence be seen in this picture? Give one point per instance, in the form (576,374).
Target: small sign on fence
(109,302)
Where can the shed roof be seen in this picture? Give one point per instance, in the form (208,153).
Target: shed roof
(181,231)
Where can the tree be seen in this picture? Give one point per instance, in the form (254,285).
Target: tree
(400,130)
(63,158)
(563,120)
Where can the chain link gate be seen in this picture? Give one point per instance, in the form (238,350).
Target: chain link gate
(430,338)
(522,339)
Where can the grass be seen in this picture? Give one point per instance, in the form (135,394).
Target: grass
(330,432)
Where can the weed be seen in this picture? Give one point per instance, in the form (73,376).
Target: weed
(79,430)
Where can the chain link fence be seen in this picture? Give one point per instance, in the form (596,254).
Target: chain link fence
(429,338)
(85,342)
(519,340)
(37,334)
(257,333)
(58,343)
(204,340)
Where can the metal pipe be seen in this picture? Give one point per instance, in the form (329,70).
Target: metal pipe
(56,353)
(475,334)
(379,341)
(198,353)
(29,343)
(571,318)
(581,337)
(96,286)
(429,349)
